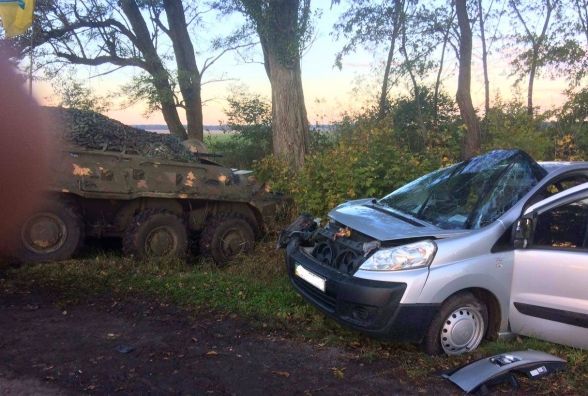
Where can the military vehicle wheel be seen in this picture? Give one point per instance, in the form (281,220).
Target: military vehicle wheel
(54,232)
(155,233)
(459,327)
(226,236)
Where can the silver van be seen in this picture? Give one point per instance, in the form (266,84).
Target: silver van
(493,245)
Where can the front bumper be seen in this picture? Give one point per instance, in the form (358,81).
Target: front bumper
(372,307)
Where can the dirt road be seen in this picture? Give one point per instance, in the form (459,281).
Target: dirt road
(140,347)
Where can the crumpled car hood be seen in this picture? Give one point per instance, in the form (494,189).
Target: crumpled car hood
(362,216)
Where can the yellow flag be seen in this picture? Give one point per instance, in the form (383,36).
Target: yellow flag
(16,16)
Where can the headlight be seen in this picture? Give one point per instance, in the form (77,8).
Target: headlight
(414,255)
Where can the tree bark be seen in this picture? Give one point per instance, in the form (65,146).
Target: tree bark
(440,71)
(154,67)
(289,120)
(484,60)
(383,106)
(537,43)
(416,91)
(464,99)
(278,28)
(189,76)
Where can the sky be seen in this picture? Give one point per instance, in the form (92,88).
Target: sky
(329,92)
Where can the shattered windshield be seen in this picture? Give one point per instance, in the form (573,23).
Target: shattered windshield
(470,194)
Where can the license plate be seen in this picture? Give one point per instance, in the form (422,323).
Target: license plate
(310,277)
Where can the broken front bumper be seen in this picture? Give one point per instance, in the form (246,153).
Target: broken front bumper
(372,307)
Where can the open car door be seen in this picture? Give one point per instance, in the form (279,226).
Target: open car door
(549,296)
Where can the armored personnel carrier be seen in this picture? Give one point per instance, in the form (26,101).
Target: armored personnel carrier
(149,189)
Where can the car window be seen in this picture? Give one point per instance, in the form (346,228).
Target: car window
(504,194)
(470,194)
(563,184)
(565,226)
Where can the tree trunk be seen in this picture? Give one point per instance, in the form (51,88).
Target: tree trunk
(532,72)
(464,99)
(439,72)
(154,67)
(537,43)
(279,34)
(416,91)
(289,120)
(484,61)
(189,78)
(383,107)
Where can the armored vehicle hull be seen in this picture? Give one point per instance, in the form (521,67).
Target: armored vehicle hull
(154,203)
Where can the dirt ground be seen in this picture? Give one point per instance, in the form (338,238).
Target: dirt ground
(140,347)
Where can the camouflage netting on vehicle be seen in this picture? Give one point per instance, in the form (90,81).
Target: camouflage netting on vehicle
(98,132)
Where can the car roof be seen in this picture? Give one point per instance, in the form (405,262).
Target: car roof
(551,166)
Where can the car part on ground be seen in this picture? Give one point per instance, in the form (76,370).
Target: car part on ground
(434,262)
(111,180)
(481,374)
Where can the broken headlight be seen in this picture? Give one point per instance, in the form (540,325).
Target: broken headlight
(414,255)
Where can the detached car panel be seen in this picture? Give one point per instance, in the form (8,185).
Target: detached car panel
(433,261)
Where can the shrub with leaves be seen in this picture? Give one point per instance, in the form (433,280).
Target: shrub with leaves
(366,161)
(507,125)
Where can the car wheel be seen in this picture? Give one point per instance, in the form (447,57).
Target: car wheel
(155,233)
(226,236)
(459,327)
(52,233)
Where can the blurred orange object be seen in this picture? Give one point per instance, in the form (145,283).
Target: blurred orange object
(23,154)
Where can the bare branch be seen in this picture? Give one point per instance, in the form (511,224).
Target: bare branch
(210,61)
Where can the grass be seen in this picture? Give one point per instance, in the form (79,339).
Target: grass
(256,288)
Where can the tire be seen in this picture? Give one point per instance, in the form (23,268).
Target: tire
(225,236)
(459,327)
(155,233)
(54,232)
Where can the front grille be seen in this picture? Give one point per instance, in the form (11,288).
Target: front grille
(344,254)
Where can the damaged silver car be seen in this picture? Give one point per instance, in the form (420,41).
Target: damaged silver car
(493,245)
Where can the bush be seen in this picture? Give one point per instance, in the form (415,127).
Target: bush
(248,134)
(365,161)
(507,125)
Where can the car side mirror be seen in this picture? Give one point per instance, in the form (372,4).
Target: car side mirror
(521,233)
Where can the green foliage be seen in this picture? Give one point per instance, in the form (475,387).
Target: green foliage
(367,160)
(427,122)
(73,94)
(141,89)
(248,132)
(571,127)
(507,125)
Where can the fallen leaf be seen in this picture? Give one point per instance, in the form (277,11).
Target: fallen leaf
(211,353)
(284,374)
(338,372)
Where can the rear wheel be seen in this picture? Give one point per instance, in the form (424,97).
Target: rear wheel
(54,232)
(226,236)
(155,233)
(459,327)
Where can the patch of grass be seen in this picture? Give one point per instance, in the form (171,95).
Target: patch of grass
(256,288)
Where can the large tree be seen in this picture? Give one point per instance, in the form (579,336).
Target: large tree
(129,33)
(283,27)
(530,60)
(472,140)
(371,24)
